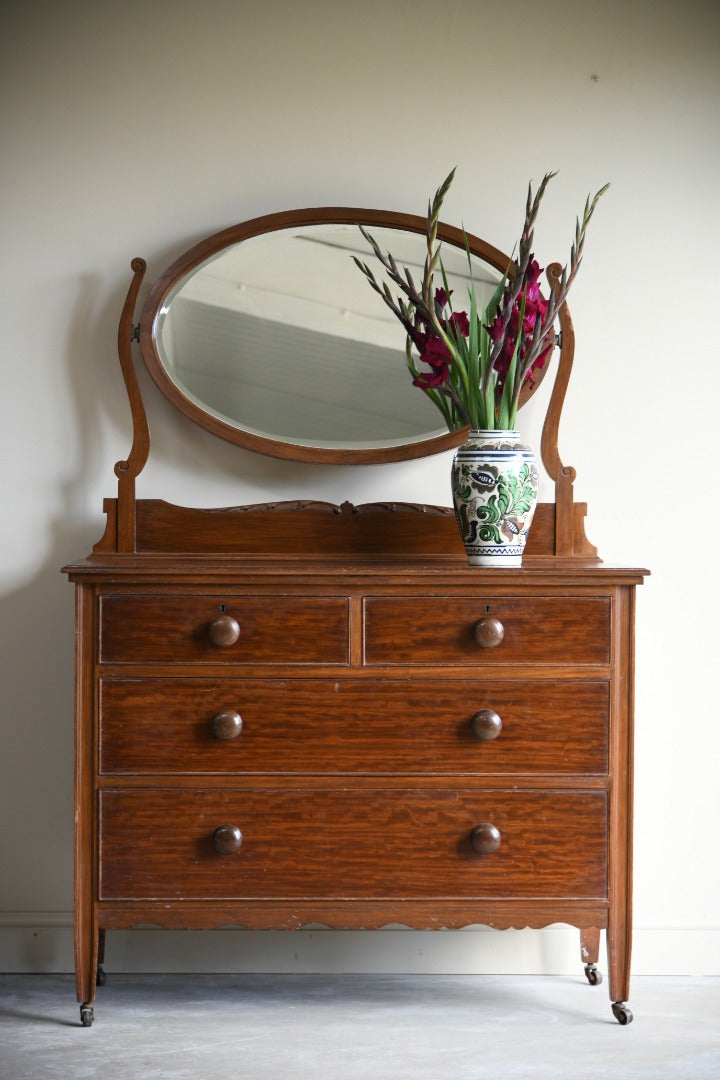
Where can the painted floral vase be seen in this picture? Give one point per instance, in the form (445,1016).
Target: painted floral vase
(495,490)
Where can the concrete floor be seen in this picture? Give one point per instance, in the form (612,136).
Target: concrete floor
(357,1027)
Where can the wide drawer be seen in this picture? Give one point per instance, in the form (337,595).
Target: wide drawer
(444,630)
(343,844)
(346,726)
(176,629)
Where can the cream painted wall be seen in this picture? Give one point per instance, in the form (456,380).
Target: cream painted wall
(137,128)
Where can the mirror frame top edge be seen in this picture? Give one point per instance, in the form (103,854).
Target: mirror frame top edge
(274,222)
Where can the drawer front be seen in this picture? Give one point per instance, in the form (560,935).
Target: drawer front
(442,630)
(351,844)
(176,629)
(351,726)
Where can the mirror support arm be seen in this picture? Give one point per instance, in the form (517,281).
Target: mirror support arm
(569,533)
(127,470)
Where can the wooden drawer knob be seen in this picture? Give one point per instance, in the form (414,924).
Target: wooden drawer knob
(227,839)
(227,725)
(486,725)
(224,631)
(485,838)
(489,632)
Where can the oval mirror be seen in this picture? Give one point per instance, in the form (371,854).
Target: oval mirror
(267,335)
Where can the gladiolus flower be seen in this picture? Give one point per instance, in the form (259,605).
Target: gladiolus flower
(427,380)
(535,308)
(468,368)
(436,352)
(437,355)
(461,321)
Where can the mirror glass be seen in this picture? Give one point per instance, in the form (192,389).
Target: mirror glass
(280,336)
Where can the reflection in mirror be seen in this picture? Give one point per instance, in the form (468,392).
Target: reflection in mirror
(279,336)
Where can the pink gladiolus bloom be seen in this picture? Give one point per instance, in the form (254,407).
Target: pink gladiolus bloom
(436,352)
(533,272)
(535,308)
(461,321)
(430,379)
(437,355)
(495,328)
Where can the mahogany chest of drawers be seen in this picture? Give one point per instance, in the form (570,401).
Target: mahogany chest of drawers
(354,742)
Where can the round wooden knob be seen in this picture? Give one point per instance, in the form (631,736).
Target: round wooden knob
(486,725)
(227,839)
(489,632)
(485,838)
(224,631)
(227,725)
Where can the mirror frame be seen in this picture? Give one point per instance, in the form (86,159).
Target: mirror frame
(268,223)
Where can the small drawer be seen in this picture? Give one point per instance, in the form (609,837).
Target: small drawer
(220,629)
(442,630)
(352,844)
(353,726)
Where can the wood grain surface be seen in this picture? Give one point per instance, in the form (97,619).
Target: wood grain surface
(439,629)
(338,726)
(174,629)
(337,844)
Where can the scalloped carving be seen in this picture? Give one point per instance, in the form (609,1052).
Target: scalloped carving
(344,916)
(300,529)
(398,508)
(302,505)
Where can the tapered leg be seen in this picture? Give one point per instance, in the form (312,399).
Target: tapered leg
(101,978)
(589,952)
(619,941)
(619,959)
(590,944)
(619,930)
(86,926)
(86,961)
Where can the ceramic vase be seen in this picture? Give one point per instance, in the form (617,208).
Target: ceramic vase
(495,489)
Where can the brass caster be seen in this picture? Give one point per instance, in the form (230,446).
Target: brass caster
(593,974)
(621,1012)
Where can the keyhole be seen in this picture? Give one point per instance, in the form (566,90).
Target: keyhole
(487,609)
(222,608)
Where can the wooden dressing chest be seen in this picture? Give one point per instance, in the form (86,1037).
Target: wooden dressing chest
(300,713)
